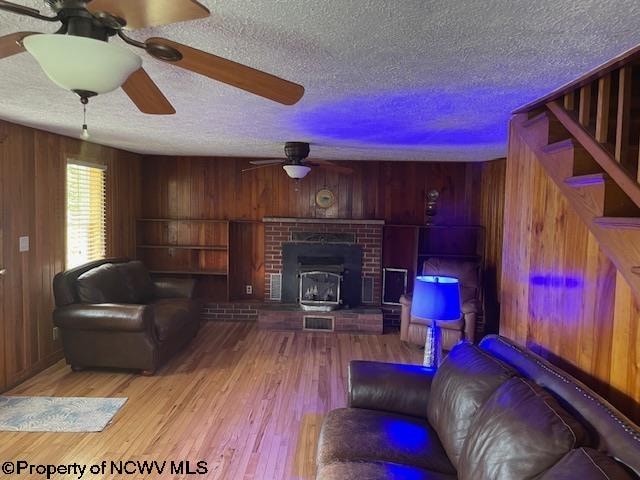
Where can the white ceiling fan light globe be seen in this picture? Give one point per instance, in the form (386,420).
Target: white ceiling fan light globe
(80,63)
(296,171)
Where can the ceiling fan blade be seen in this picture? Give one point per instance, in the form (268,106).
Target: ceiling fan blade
(12,44)
(150,13)
(23,10)
(16,8)
(326,164)
(229,72)
(258,167)
(146,95)
(272,161)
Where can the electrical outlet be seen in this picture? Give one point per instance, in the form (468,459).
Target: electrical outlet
(24,244)
(56,333)
(248,289)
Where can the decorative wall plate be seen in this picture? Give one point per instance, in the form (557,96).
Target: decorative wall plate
(325,198)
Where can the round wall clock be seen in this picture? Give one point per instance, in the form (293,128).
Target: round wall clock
(325,198)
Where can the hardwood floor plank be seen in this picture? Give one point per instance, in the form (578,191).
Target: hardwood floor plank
(248,402)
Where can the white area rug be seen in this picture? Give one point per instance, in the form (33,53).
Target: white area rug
(57,414)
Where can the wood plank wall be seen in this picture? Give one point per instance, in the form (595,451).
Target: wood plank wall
(32,201)
(492,185)
(32,197)
(561,295)
(393,191)
(186,187)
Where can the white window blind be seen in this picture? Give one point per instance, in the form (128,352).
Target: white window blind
(86,227)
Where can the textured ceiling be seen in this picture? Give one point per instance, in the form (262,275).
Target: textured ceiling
(401,80)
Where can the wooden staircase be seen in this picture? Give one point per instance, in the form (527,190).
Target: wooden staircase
(586,136)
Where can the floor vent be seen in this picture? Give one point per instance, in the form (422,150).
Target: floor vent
(275,286)
(317,323)
(367,290)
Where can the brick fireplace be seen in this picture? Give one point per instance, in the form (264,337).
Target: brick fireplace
(352,248)
(366,234)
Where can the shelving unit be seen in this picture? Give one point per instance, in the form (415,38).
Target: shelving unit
(408,246)
(185,246)
(450,241)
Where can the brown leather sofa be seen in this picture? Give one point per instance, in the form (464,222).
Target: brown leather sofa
(112,314)
(413,329)
(490,412)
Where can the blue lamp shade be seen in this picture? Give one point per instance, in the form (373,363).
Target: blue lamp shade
(436,298)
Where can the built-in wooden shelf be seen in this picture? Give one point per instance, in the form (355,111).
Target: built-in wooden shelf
(221,248)
(188,246)
(421,242)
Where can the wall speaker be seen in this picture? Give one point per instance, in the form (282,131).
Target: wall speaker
(394,285)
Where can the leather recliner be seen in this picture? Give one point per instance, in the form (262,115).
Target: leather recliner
(413,329)
(112,314)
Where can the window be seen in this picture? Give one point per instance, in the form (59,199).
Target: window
(86,231)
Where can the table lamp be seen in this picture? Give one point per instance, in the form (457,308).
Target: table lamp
(436,299)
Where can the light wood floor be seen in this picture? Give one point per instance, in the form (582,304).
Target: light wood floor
(248,402)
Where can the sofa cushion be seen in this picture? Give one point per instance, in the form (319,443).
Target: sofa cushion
(376,471)
(137,280)
(519,432)
(355,434)
(171,315)
(586,464)
(465,380)
(103,284)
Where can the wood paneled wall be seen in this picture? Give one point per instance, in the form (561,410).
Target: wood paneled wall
(393,191)
(183,187)
(32,197)
(561,295)
(492,181)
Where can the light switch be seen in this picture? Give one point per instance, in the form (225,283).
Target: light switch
(24,244)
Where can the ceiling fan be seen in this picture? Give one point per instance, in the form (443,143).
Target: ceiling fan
(79,58)
(295,163)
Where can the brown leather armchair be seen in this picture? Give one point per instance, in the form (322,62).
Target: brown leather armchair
(413,329)
(112,314)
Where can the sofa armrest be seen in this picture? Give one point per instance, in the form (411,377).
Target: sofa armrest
(406,299)
(390,387)
(174,287)
(471,309)
(105,316)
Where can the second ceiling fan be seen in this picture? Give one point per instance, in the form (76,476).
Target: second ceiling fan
(295,164)
(79,58)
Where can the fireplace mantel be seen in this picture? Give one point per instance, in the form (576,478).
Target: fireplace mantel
(336,221)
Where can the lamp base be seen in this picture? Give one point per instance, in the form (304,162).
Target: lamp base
(432,347)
